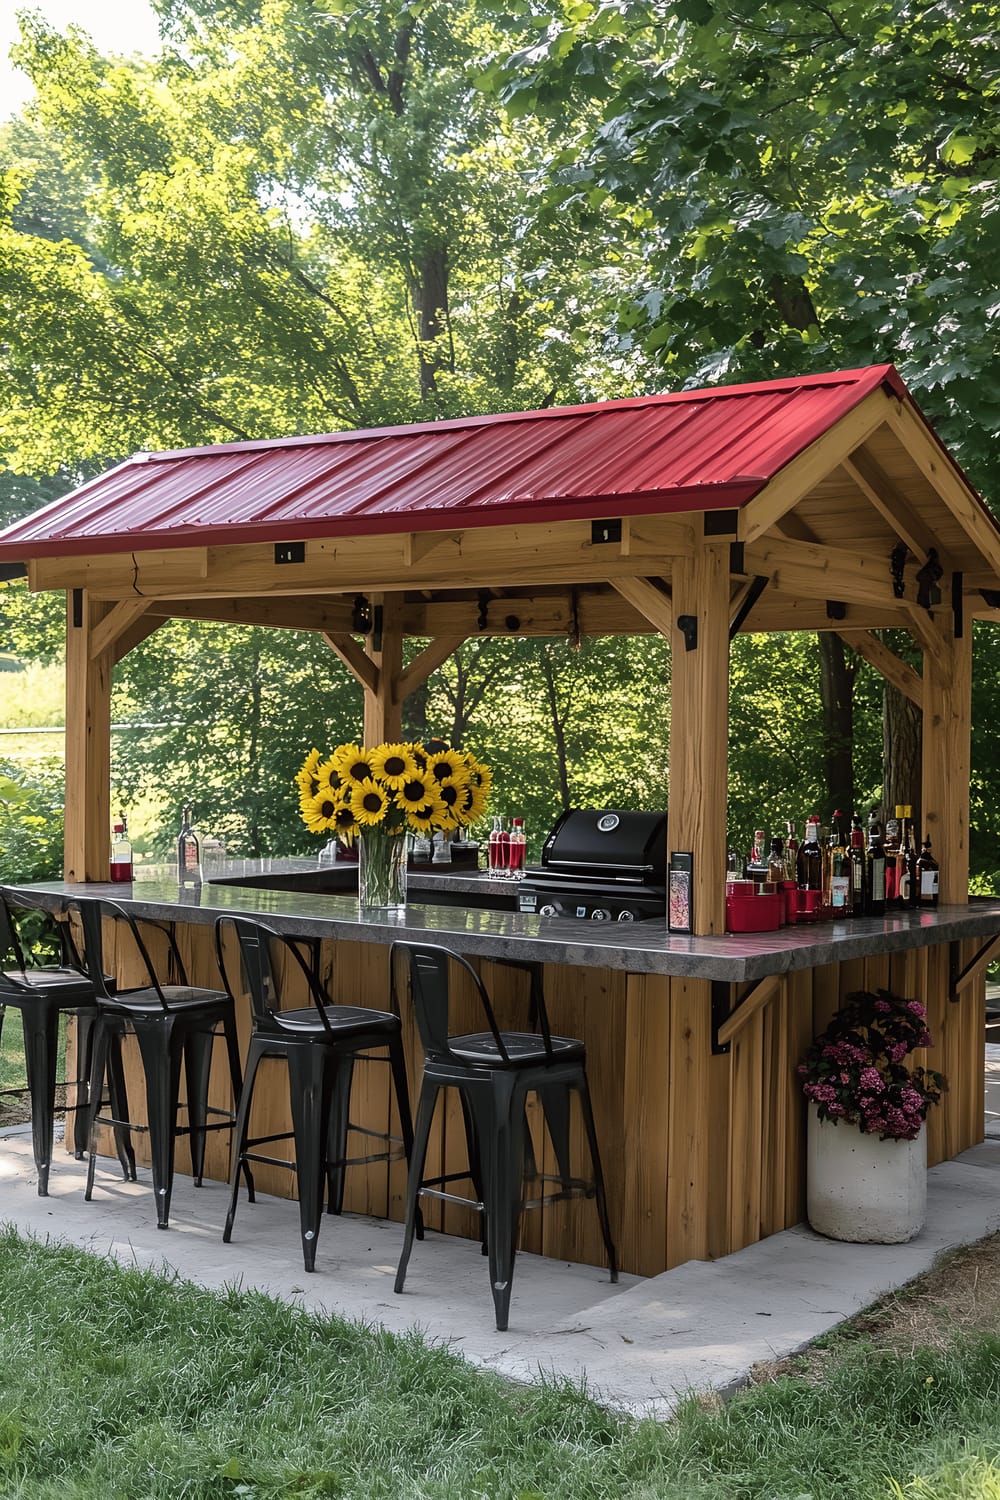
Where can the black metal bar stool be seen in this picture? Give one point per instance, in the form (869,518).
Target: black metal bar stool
(320,1044)
(174,1023)
(42,993)
(494,1071)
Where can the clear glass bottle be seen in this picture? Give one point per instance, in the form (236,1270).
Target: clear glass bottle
(518,848)
(188,851)
(121,852)
(495,847)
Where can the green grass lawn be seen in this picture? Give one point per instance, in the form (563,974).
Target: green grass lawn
(115,1383)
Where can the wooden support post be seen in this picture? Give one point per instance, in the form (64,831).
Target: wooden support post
(383,714)
(88,740)
(946,754)
(699,724)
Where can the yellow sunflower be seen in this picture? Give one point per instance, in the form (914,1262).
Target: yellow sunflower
(352,763)
(415,791)
(393,765)
(344,822)
(305,779)
(427,815)
(369,804)
(419,756)
(319,813)
(446,765)
(328,778)
(473,803)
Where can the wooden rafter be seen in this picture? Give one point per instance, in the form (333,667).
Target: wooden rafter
(956,494)
(803,473)
(649,600)
(925,633)
(882,493)
(357,663)
(425,663)
(891,666)
(822,572)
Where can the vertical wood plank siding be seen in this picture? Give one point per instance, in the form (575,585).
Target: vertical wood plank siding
(703,1154)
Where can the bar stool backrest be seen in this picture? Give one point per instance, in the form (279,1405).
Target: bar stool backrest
(93,910)
(12,954)
(263,954)
(426,969)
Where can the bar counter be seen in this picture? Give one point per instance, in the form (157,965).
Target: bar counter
(638,947)
(692,1042)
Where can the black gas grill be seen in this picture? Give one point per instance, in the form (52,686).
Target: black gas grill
(607,866)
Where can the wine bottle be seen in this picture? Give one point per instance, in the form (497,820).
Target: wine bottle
(928,876)
(840,882)
(188,851)
(875,885)
(858,868)
(810,865)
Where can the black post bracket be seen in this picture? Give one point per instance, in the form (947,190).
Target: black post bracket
(721,1005)
(688,627)
(361,615)
(957,605)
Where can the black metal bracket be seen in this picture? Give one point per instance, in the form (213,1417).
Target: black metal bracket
(77,595)
(378,614)
(721,522)
(688,627)
(928,577)
(737,557)
(991,597)
(836,609)
(483,618)
(361,616)
(897,562)
(757,587)
(605,531)
(956,974)
(721,1003)
(957,605)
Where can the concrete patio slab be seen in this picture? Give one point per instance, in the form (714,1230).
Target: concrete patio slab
(639,1346)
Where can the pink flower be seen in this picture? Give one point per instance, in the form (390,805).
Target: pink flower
(872,1080)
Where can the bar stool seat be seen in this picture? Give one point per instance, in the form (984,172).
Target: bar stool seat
(320,1044)
(493,1072)
(175,1025)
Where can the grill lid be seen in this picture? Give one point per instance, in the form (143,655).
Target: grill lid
(607,844)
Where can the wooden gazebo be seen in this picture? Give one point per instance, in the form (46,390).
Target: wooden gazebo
(820,503)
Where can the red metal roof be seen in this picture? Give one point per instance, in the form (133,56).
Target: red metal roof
(707,449)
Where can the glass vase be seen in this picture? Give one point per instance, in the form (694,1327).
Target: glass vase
(381,871)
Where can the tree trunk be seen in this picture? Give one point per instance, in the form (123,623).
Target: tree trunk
(429,291)
(901,749)
(836,679)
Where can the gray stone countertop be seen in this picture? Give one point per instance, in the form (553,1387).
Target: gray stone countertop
(640,947)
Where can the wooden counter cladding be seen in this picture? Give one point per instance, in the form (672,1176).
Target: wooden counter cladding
(699,1114)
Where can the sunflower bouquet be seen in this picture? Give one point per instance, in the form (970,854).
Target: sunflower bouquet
(376,795)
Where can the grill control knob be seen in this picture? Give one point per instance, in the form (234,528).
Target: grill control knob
(600,914)
(548,910)
(626,916)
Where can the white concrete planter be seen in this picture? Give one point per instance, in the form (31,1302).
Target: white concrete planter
(862,1189)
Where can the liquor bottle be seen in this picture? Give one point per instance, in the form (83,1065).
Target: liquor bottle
(859,868)
(892,846)
(518,848)
(776,861)
(840,882)
(902,880)
(757,854)
(495,847)
(188,852)
(791,853)
(874,824)
(810,859)
(912,878)
(928,876)
(875,883)
(121,852)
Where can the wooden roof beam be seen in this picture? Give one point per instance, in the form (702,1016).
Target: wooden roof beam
(949,484)
(886,662)
(821,572)
(357,663)
(792,483)
(649,600)
(426,662)
(882,493)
